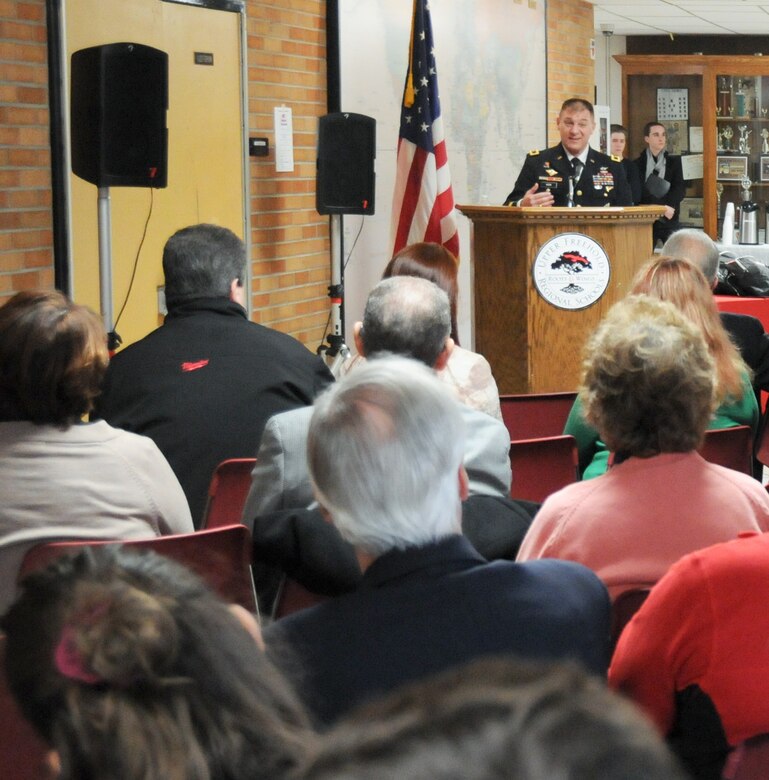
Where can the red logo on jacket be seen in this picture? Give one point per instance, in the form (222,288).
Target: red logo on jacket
(194,366)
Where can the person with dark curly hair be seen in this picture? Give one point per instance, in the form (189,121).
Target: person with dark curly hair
(129,666)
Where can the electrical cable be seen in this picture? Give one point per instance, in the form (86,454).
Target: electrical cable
(352,248)
(136,259)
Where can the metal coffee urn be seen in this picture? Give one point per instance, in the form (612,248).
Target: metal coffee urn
(749,223)
(748,216)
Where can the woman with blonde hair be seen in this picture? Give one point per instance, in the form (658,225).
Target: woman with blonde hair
(683,284)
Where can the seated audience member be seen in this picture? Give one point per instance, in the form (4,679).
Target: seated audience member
(128,666)
(694,656)
(61,478)
(747,332)
(495,719)
(203,384)
(468,373)
(680,282)
(649,388)
(405,316)
(385,454)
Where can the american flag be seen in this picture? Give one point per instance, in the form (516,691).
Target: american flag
(423,203)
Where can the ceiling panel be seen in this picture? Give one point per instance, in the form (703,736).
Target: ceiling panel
(681,17)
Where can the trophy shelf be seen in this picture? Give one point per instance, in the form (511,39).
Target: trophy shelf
(728,98)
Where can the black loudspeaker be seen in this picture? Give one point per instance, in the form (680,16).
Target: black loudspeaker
(346,152)
(118,108)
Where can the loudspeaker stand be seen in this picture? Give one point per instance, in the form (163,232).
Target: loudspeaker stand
(336,352)
(104,213)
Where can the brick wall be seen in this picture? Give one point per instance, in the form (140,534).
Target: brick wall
(26,238)
(290,244)
(570,71)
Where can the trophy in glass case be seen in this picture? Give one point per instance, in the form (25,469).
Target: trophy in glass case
(728,134)
(743,144)
(724,95)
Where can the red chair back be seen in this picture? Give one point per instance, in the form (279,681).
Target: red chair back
(22,751)
(749,760)
(227,492)
(536,415)
(623,609)
(761,445)
(730,447)
(542,466)
(293,597)
(220,556)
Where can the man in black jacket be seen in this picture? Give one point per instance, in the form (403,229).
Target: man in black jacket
(203,384)
(618,149)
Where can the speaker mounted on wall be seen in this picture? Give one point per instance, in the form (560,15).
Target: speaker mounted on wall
(346,153)
(118,103)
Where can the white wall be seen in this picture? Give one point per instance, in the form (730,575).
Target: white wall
(616,45)
(490,57)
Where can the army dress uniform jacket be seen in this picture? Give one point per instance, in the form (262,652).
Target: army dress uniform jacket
(601,183)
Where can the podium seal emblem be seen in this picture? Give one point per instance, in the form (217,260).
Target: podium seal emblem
(571,271)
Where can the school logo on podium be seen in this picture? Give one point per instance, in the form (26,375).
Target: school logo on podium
(571,271)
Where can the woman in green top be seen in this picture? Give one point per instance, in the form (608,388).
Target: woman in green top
(683,284)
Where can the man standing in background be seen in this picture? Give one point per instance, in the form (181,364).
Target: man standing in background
(663,180)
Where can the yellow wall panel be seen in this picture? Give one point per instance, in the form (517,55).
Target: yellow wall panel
(205,148)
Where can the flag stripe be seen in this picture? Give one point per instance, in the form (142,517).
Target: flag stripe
(423,200)
(412,191)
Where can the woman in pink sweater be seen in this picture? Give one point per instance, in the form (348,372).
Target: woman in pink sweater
(649,388)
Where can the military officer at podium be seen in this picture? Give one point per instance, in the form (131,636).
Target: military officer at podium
(571,173)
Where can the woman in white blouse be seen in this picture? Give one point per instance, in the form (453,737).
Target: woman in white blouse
(468,373)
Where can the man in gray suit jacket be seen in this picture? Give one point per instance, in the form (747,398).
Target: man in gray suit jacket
(404,316)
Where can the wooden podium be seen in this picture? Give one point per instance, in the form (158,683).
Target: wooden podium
(532,345)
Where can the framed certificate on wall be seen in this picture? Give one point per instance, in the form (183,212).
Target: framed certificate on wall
(731,168)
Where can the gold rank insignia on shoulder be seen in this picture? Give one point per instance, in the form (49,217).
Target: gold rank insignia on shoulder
(616,158)
(533,152)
